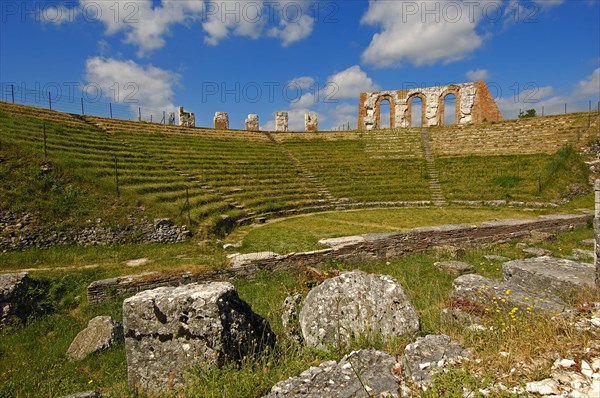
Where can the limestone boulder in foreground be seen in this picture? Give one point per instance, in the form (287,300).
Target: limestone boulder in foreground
(354,305)
(168,329)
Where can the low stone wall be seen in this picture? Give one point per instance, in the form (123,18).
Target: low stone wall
(364,248)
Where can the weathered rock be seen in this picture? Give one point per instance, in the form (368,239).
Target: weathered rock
(162,223)
(455,267)
(221,121)
(252,123)
(361,374)
(493,257)
(540,236)
(549,274)
(356,304)
(281,122)
(101,333)
(451,251)
(537,251)
(289,317)
(137,262)
(428,355)
(85,394)
(311,122)
(477,290)
(186,119)
(588,242)
(169,329)
(13,288)
(342,241)
(543,387)
(240,260)
(579,254)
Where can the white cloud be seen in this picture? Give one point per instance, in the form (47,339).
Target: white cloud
(349,83)
(292,31)
(232,16)
(590,86)
(303,82)
(143,23)
(477,74)
(423,33)
(148,86)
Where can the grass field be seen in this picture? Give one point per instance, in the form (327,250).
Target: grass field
(32,358)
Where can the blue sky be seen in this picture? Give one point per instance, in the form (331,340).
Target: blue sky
(261,56)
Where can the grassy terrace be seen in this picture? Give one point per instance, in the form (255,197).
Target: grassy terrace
(349,171)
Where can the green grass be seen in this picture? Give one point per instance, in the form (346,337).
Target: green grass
(302,233)
(33,363)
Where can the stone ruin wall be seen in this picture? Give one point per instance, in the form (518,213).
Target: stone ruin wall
(474,104)
(221,121)
(186,119)
(252,123)
(281,122)
(311,122)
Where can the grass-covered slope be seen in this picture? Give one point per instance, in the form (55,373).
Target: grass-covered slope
(168,170)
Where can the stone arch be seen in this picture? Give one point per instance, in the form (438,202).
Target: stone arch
(451,90)
(409,102)
(390,99)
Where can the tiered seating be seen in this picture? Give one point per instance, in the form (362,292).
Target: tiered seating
(394,144)
(524,136)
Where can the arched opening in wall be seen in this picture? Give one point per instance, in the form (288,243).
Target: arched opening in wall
(385,121)
(449,110)
(416,112)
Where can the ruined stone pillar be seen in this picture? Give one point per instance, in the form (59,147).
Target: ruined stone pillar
(597,231)
(281,122)
(221,121)
(311,122)
(252,123)
(186,119)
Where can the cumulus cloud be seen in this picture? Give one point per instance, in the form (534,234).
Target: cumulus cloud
(349,83)
(146,23)
(477,74)
(423,33)
(145,86)
(590,86)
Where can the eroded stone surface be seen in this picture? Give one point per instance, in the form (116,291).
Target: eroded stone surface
(356,304)
(537,251)
(281,122)
(289,317)
(361,374)
(186,119)
(492,293)
(311,122)
(252,123)
(240,260)
(221,121)
(342,241)
(169,329)
(12,289)
(428,355)
(455,267)
(549,274)
(101,333)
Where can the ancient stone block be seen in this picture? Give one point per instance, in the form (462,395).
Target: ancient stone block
(429,355)
(186,119)
(311,122)
(13,287)
(549,274)
(167,330)
(476,290)
(353,305)
(252,123)
(361,374)
(281,122)
(221,121)
(289,317)
(101,333)
(455,267)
